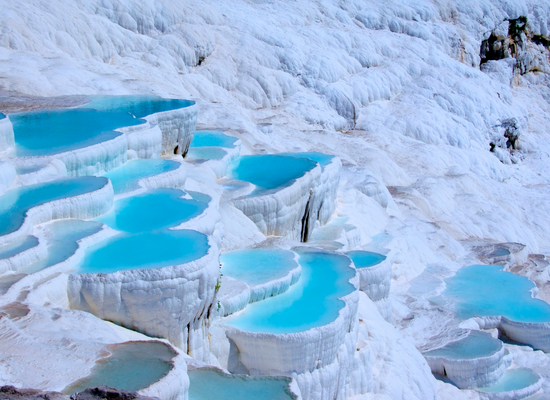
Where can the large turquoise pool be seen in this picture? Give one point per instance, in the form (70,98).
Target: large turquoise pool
(270,171)
(138,106)
(322,158)
(475,345)
(258,266)
(15,203)
(156,209)
(513,379)
(488,290)
(312,302)
(132,366)
(147,250)
(126,178)
(365,259)
(41,133)
(210,384)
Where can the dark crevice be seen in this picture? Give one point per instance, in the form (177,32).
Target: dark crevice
(188,338)
(176,149)
(305,222)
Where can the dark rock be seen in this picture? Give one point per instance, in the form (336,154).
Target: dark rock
(12,393)
(104,392)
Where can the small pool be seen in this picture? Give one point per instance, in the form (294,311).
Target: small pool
(365,259)
(270,171)
(2,116)
(312,302)
(488,290)
(63,242)
(206,153)
(258,266)
(18,246)
(513,379)
(28,169)
(212,139)
(210,384)
(126,178)
(147,250)
(42,133)
(156,209)
(15,203)
(138,106)
(500,252)
(475,345)
(322,158)
(131,366)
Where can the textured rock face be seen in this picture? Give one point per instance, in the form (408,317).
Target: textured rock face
(102,392)
(177,127)
(13,393)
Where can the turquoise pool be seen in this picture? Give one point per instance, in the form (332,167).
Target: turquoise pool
(147,250)
(127,177)
(475,345)
(132,366)
(18,246)
(258,266)
(312,302)
(210,384)
(513,379)
(270,171)
(213,139)
(365,259)
(64,241)
(152,210)
(42,133)
(138,106)
(206,153)
(15,203)
(488,290)
(322,158)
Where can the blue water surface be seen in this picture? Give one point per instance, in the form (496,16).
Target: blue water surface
(206,153)
(312,302)
(322,158)
(212,139)
(476,344)
(15,203)
(18,246)
(209,384)
(139,106)
(126,178)
(488,290)
(365,259)
(270,171)
(258,266)
(131,366)
(155,209)
(513,379)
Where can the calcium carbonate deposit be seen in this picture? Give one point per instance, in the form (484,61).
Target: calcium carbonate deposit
(308,200)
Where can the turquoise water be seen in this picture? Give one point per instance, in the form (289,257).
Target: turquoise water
(312,302)
(146,250)
(27,169)
(499,253)
(365,259)
(16,202)
(270,171)
(206,153)
(513,379)
(213,139)
(18,246)
(476,344)
(152,210)
(487,290)
(64,241)
(322,158)
(41,133)
(210,384)
(126,178)
(131,366)
(257,266)
(139,106)
(2,116)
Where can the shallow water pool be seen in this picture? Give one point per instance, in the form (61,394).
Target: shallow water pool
(258,266)
(475,345)
(488,290)
(155,209)
(212,139)
(322,158)
(126,178)
(132,366)
(138,106)
(513,379)
(16,202)
(270,171)
(206,153)
(365,259)
(18,246)
(312,302)
(210,384)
